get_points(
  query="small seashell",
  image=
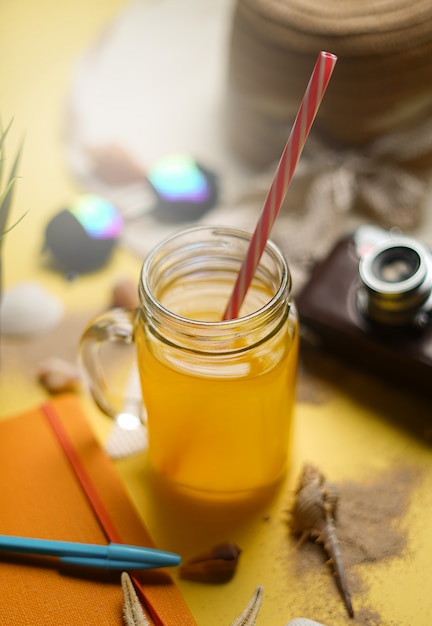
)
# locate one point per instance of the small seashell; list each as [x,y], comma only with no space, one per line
[313,517]
[125,294]
[215,566]
[29,309]
[303,621]
[58,376]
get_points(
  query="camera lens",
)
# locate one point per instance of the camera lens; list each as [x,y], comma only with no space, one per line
[396,265]
[396,280]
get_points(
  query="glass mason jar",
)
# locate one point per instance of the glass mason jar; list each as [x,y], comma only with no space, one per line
[219,394]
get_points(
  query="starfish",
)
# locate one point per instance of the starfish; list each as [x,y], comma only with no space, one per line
[132,610]
[248,616]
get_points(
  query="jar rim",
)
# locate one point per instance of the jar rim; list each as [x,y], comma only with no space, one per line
[284,287]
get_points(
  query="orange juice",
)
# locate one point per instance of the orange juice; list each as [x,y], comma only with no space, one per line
[219,422]
[219,394]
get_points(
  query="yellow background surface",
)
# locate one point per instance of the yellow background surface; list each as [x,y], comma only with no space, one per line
[352,427]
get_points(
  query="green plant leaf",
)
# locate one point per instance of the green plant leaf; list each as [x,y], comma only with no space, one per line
[7,230]
[7,194]
[3,135]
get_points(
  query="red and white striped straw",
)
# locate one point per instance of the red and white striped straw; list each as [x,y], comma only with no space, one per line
[302,124]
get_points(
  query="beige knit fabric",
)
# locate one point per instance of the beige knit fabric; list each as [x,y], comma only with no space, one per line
[360,163]
[382,82]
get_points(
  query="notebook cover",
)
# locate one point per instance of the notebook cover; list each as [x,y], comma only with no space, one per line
[42,496]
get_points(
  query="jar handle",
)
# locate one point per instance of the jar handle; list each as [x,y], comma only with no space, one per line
[114,326]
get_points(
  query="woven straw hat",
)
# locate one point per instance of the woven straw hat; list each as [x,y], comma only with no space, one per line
[382,82]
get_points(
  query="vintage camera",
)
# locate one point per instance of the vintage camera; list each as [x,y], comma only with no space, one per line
[370,301]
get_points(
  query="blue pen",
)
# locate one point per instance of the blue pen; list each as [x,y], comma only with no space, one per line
[111,556]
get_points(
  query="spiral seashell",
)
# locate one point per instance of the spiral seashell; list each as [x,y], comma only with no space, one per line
[313,517]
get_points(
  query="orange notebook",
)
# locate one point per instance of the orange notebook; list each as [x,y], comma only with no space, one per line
[56,482]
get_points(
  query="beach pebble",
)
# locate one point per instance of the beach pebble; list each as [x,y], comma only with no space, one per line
[29,309]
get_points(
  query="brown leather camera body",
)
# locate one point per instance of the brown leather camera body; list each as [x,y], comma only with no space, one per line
[329,313]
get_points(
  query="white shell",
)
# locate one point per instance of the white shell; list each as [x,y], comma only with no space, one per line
[29,309]
[303,621]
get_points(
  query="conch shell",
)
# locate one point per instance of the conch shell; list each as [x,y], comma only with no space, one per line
[313,517]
